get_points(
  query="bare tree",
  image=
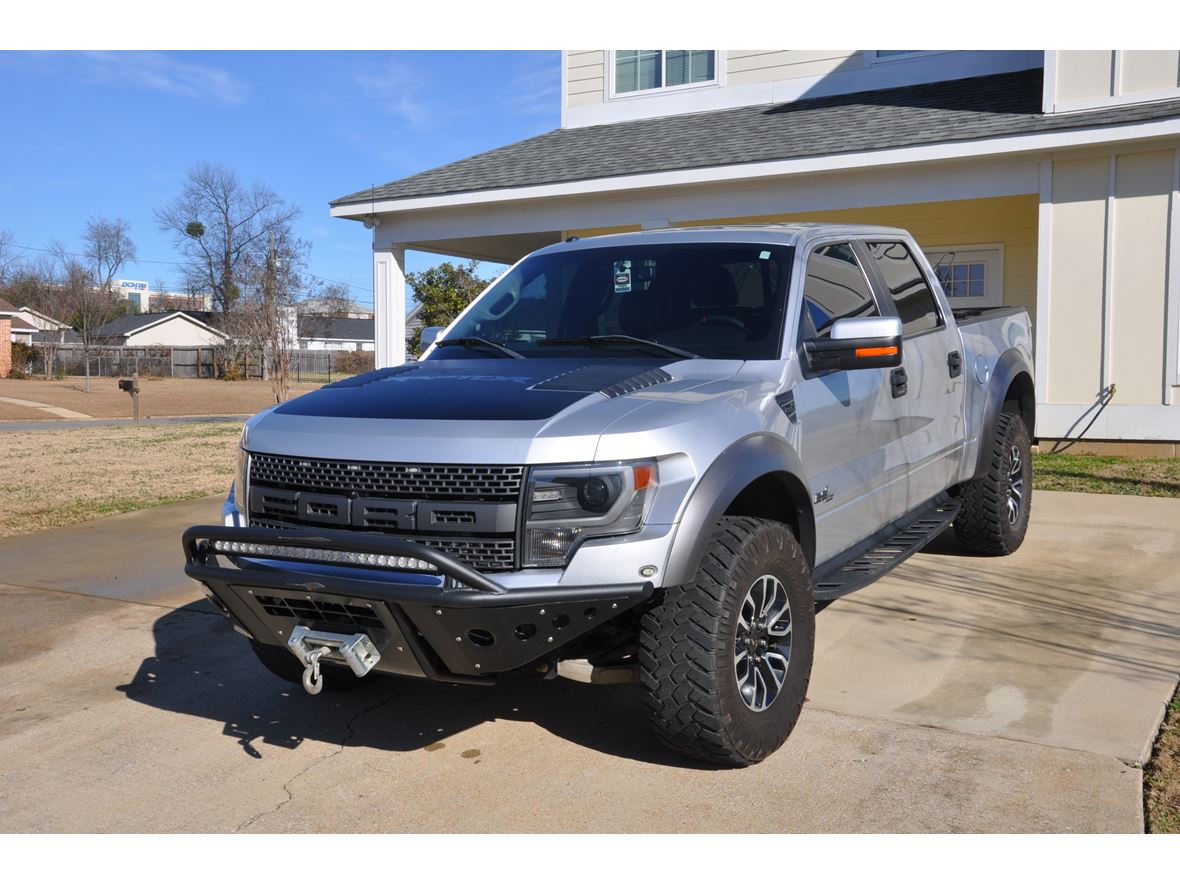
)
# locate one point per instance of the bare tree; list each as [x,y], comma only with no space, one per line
[108,247]
[87,304]
[216,223]
[333,300]
[7,256]
[273,280]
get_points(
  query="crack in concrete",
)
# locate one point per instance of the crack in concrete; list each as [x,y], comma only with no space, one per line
[351,733]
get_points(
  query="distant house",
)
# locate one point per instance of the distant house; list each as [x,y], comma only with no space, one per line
[174,329]
[7,312]
[41,321]
[22,331]
[317,332]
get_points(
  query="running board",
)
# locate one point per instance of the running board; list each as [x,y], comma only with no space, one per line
[886,550]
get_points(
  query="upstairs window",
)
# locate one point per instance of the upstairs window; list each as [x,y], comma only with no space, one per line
[639,70]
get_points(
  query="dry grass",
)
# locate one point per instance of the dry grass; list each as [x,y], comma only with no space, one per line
[61,477]
[157,398]
[1161,778]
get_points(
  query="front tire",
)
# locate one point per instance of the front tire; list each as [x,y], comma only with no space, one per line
[996,507]
[725,659]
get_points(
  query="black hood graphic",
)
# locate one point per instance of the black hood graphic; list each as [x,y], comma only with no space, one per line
[468,389]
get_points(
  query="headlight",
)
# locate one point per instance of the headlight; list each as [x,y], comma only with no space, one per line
[566,503]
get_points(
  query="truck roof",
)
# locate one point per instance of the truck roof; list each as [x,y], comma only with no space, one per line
[787,234]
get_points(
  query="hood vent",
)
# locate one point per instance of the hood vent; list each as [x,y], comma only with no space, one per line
[610,381]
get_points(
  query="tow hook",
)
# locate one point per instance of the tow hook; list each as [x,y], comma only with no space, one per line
[310,646]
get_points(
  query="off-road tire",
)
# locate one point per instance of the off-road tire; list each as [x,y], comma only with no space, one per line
[286,666]
[686,651]
[982,525]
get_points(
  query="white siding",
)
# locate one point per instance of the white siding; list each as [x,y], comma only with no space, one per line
[176,332]
[1088,78]
[769,65]
[585,76]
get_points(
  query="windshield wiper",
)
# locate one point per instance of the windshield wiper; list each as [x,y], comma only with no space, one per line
[472,342]
[607,340]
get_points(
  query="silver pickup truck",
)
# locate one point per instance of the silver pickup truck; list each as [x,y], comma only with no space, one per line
[634,457]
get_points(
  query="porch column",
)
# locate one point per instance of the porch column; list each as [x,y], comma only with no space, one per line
[389,304]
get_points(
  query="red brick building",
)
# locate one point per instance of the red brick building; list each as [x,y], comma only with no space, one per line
[7,311]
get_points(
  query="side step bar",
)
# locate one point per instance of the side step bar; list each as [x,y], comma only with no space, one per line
[886,550]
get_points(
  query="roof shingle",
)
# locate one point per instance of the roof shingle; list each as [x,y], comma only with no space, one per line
[930,113]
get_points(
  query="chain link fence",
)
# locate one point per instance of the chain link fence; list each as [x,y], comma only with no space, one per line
[307,366]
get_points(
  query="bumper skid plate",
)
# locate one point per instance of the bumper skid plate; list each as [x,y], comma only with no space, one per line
[453,625]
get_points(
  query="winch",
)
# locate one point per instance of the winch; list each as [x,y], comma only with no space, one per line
[357,650]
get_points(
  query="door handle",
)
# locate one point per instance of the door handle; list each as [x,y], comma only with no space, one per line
[900,382]
[954,363]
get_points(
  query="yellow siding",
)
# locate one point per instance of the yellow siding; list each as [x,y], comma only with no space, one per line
[1139,275]
[1008,220]
[1077,268]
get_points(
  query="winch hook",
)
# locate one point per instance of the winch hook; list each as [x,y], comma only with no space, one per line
[313,681]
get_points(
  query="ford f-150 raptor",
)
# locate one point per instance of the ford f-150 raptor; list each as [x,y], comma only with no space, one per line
[638,456]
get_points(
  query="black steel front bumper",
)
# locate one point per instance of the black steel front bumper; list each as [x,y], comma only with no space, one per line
[455,624]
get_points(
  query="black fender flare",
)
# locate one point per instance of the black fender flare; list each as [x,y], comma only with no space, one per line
[1011,364]
[746,461]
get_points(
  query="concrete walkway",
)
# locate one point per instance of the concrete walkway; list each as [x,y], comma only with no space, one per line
[43,407]
[960,694]
[112,422]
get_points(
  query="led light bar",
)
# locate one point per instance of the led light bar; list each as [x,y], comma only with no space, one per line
[406,563]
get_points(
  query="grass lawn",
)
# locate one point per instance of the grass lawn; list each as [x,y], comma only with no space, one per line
[1107,475]
[1161,777]
[60,477]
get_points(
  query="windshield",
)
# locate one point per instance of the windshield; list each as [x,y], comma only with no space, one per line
[719,301]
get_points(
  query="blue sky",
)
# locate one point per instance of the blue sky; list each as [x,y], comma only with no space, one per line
[111,134]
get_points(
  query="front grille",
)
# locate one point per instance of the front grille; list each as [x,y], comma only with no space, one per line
[482,554]
[446,482]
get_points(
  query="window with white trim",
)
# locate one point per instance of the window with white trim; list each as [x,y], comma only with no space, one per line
[971,276]
[642,70]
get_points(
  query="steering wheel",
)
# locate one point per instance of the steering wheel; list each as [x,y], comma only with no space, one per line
[721,320]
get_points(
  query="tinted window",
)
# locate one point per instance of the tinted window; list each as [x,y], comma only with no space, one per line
[718,300]
[911,294]
[835,289]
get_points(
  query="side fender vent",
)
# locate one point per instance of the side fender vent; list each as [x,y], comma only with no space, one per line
[786,402]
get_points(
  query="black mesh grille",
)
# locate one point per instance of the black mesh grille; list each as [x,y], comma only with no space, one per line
[482,554]
[303,608]
[430,481]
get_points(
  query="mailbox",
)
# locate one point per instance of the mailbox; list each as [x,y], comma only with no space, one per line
[131,385]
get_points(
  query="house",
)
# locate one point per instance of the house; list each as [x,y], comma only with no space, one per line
[174,329]
[320,332]
[1042,179]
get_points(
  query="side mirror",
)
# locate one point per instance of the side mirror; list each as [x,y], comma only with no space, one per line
[861,343]
[430,335]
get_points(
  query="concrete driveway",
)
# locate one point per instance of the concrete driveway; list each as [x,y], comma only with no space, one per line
[959,694]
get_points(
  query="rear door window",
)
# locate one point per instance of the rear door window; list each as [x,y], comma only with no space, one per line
[907,287]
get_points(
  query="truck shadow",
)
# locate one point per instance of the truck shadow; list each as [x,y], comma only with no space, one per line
[202,668]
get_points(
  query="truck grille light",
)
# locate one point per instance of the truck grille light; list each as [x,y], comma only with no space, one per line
[342,557]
